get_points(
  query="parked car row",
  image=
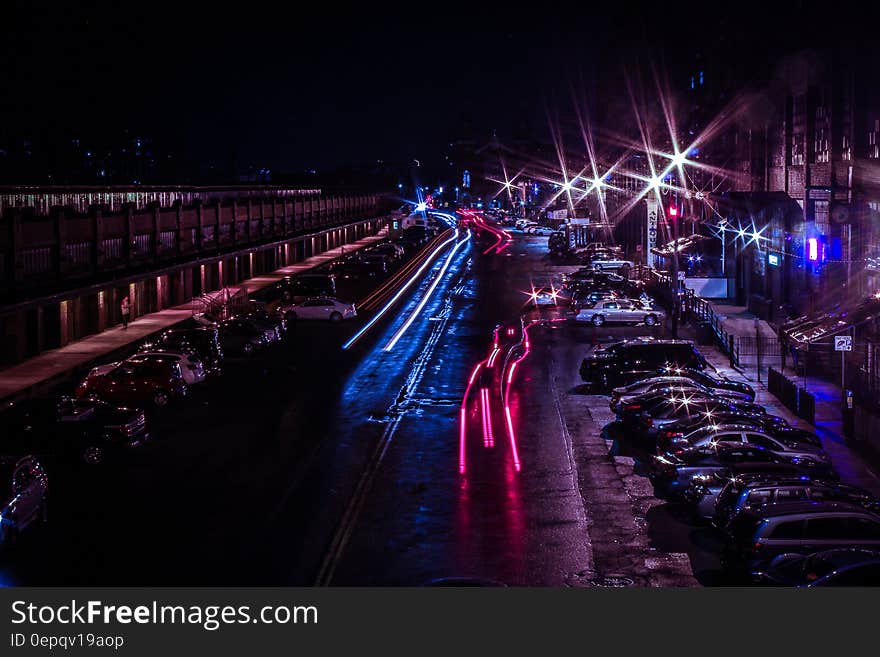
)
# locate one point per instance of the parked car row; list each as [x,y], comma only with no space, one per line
[769,489]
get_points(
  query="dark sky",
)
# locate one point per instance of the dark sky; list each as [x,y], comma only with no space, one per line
[294,88]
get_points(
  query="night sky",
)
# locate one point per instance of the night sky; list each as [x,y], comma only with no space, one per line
[294,89]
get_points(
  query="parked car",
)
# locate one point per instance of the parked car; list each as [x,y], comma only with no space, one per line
[740,389]
[721,387]
[72,429]
[325,308]
[191,365]
[269,321]
[760,535]
[23,500]
[684,390]
[542,231]
[203,341]
[703,492]
[653,414]
[137,382]
[671,474]
[601,262]
[771,424]
[748,491]
[633,360]
[810,455]
[840,567]
[241,337]
[303,286]
[391,251]
[621,311]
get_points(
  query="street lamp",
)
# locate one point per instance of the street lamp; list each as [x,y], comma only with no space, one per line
[673,216]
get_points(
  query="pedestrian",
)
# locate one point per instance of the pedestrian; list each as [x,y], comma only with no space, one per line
[125,308]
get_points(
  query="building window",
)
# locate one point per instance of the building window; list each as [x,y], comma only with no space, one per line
[78,254]
[37,261]
[820,214]
[167,239]
[208,235]
[112,248]
[797,149]
[142,244]
[873,145]
[225,232]
[820,136]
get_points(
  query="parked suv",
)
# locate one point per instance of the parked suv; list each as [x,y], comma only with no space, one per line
[80,429]
[136,381]
[23,490]
[762,534]
[631,361]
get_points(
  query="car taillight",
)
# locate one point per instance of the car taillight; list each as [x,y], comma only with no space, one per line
[648,421]
[669,435]
[757,546]
[632,407]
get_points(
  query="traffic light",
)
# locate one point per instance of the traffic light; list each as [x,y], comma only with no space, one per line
[673,211]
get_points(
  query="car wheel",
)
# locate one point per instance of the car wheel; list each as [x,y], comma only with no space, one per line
[335,317]
[598,320]
[650,320]
[247,349]
[160,399]
[93,455]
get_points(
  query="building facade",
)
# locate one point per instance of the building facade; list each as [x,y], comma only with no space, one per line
[69,255]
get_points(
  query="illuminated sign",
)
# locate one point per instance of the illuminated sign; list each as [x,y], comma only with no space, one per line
[773,259]
[812,249]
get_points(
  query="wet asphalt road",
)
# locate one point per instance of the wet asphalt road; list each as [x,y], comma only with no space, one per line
[312,465]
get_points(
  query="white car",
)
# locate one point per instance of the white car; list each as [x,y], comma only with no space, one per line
[191,365]
[619,310]
[541,230]
[319,308]
[607,262]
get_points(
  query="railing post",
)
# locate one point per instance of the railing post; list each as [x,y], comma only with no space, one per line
[730,350]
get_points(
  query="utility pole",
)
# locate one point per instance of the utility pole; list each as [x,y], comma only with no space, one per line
[673,216]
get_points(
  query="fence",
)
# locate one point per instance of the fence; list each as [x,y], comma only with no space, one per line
[797,400]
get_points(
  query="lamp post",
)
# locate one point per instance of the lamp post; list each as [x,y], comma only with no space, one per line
[673,216]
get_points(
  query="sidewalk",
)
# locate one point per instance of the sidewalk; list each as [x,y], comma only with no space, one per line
[737,320]
[57,364]
[854,467]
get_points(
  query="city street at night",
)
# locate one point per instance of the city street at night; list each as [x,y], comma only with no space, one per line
[308,301]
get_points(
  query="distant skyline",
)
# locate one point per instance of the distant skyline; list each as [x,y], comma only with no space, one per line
[297,89]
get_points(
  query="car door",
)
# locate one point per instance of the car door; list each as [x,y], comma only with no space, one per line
[610,311]
[308,309]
